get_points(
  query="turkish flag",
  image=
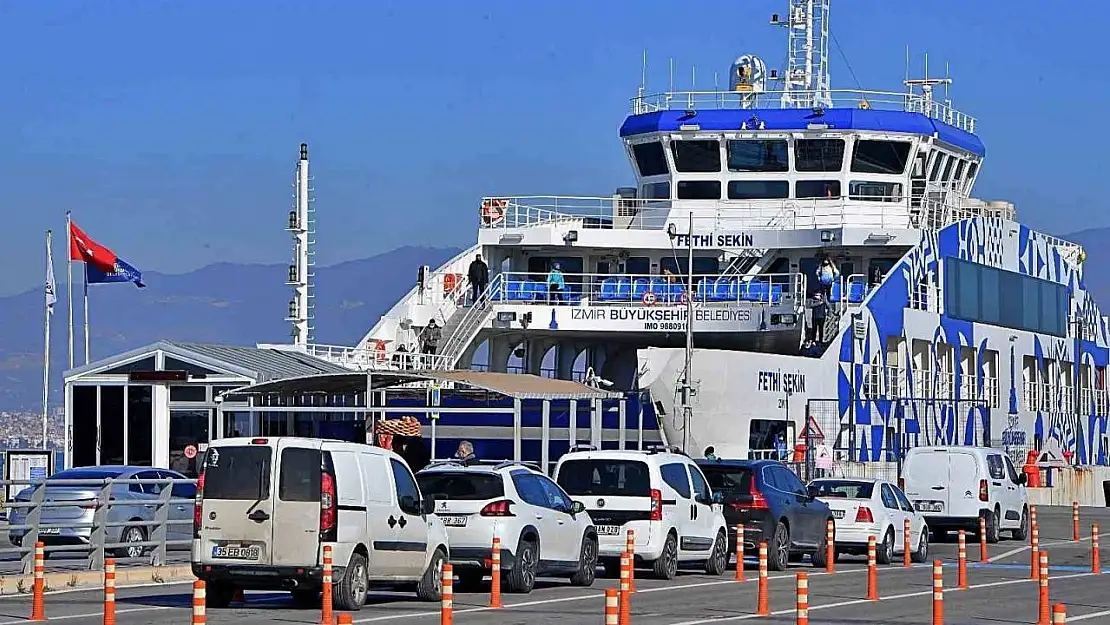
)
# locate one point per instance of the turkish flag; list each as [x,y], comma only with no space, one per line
[85,250]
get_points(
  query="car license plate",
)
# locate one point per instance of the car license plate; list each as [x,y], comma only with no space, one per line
[228,552]
[50,530]
[453,520]
[838,514]
[609,530]
[928,506]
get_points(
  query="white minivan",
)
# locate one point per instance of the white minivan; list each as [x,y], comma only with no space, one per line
[952,487]
[266,508]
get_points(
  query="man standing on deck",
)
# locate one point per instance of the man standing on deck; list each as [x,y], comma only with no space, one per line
[479,277]
[431,337]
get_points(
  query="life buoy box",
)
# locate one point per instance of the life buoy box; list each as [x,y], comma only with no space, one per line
[449,282]
[379,350]
[493,210]
[648,299]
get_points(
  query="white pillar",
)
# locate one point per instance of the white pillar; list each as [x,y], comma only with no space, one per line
[160,425]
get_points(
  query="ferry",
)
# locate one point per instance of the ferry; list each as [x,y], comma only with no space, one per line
[795,264]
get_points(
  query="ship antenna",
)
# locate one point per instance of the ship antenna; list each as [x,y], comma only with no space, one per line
[302,223]
[806,84]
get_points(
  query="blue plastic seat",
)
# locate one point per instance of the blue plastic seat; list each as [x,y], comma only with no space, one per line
[856,292]
[640,287]
[608,289]
[776,293]
[834,295]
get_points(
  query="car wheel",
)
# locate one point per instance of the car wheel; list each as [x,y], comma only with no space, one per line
[778,556]
[666,565]
[587,564]
[1022,532]
[821,557]
[522,577]
[350,592]
[130,537]
[217,595]
[885,553]
[992,526]
[718,558]
[430,587]
[922,554]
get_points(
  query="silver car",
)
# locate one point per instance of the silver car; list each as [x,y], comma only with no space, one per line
[129,503]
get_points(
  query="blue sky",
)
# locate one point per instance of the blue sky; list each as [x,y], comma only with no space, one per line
[171,128]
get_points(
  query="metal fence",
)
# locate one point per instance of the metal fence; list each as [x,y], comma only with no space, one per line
[870,439]
[140,520]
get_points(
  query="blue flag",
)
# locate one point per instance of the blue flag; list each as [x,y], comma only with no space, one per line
[123,272]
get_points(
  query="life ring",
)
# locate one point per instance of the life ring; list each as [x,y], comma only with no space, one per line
[648,299]
[379,350]
[449,282]
[493,210]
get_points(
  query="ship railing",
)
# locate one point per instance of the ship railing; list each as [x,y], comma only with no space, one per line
[632,289]
[379,355]
[861,211]
[841,98]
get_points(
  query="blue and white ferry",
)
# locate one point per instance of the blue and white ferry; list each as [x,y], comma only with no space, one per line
[947,321]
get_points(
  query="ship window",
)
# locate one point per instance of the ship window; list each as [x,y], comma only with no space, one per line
[638,265]
[758,155]
[826,189]
[650,159]
[957,178]
[699,189]
[978,293]
[656,191]
[875,191]
[819,154]
[758,189]
[934,171]
[703,265]
[947,177]
[972,169]
[697,156]
[880,157]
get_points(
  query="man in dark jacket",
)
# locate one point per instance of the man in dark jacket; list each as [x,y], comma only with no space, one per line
[479,277]
[430,338]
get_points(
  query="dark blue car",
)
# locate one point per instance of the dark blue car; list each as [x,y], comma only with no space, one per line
[774,505]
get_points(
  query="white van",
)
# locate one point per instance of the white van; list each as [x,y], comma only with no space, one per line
[952,487]
[266,508]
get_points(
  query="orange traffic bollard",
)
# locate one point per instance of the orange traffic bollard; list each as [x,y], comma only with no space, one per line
[447,596]
[1059,614]
[495,574]
[1096,563]
[906,542]
[961,554]
[1075,521]
[110,591]
[630,547]
[938,592]
[612,607]
[626,594]
[325,609]
[802,592]
[983,557]
[1034,558]
[872,571]
[200,601]
[740,552]
[762,607]
[344,618]
[1043,615]
[38,610]
[830,547]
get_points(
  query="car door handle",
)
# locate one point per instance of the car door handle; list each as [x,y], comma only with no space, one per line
[181,508]
[402,522]
[996,483]
[938,488]
[258,516]
[392,521]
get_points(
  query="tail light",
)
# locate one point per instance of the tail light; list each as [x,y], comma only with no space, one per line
[198,506]
[656,505]
[497,508]
[329,507]
[863,515]
[984,494]
[759,502]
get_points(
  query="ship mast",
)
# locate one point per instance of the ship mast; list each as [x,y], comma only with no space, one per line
[302,224]
[806,83]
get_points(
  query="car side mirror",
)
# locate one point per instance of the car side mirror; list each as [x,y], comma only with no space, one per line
[427,505]
[811,492]
[410,504]
[1022,479]
[577,507]
[718,498]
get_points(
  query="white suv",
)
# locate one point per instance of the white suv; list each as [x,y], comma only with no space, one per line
[542,531]
[662,496]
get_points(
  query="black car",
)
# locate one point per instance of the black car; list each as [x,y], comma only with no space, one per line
[774,505]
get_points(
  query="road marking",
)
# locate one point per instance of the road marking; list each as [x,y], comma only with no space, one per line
[851,602]
[1084,617]
[1007,554]
[69,591]
[68,617]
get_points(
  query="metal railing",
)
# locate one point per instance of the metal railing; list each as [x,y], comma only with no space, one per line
[856,98]
[376,358]
[648,289]
[103,520]
[890,381]
[467,329]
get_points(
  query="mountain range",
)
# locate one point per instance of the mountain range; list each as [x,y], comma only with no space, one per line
[239,304]
[234,304]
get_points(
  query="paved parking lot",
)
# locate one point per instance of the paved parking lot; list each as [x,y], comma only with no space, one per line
[72,560]
[1000,592]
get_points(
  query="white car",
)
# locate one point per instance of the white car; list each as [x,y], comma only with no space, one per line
[662,496]
[954,487]
[542,531]
[865,507]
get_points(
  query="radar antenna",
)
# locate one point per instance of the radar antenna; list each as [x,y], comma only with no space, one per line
[806,83]
[925,100]
[302,224]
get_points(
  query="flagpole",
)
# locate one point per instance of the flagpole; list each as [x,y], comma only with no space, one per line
[86,284]
[46,349]
[69,281]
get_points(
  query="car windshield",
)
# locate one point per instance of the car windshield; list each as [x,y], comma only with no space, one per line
[627,478]
[237,473]
[461,486]
[844,489]
[728,480]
